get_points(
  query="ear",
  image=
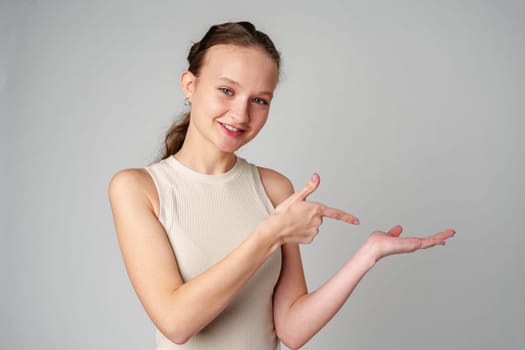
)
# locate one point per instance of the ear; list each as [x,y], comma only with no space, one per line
[187,83]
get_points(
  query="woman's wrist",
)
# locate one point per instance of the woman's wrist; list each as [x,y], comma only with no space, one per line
[368,253]
[268,235]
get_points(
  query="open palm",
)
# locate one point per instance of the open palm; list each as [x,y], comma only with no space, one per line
[389,243]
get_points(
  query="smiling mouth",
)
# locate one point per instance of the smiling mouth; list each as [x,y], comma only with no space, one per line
[231,128]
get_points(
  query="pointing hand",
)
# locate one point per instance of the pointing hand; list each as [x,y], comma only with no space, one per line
[298,219]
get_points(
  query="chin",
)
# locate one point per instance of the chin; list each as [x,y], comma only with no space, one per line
[230,147]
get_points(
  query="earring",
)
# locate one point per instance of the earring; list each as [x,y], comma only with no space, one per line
[187,102]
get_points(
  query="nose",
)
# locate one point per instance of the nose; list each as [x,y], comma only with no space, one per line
[240,111]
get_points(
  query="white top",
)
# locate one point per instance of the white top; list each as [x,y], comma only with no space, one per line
[205,218]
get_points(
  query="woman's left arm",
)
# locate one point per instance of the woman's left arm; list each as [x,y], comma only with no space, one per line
[299,315]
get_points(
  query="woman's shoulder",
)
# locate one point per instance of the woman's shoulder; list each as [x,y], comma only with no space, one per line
[134,184]
[131,178]
[277,186]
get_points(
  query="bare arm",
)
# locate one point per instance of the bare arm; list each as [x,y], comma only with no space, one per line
[178,309]
[299,315]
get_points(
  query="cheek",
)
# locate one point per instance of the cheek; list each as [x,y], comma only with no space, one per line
[213,105]
[217,103]
[259,119]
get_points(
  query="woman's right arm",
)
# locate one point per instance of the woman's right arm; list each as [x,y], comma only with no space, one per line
[179,309]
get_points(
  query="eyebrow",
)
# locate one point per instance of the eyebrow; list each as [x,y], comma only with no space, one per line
[236,83]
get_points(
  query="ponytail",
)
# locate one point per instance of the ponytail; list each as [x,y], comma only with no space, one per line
[175,136]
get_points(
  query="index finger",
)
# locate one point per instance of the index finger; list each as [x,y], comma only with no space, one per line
[339,215]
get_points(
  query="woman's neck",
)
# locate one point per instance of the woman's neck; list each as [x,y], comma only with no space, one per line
[210,162]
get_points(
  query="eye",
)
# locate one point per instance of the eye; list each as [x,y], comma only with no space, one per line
[260,101]
[226,91]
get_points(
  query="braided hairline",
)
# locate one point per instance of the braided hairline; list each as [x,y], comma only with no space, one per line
[236,33]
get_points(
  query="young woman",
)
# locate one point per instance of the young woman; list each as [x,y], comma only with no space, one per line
[211,241]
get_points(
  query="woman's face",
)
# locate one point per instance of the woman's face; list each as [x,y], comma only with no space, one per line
[231,97]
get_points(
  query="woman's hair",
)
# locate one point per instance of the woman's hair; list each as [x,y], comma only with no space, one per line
[234,33]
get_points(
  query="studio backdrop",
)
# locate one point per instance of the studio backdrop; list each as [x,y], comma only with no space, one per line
[411,111]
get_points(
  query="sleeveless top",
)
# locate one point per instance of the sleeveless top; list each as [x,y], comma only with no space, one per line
[205,218]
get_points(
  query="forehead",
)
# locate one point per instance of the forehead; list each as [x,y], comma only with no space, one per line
[249,66]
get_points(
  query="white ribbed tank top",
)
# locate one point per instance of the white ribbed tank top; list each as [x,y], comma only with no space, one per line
[205,218]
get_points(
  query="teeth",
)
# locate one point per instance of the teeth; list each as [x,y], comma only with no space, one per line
[229,127]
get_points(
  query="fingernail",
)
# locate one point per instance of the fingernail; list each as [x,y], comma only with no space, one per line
[314,177]
[356,222]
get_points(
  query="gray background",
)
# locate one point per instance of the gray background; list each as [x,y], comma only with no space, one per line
[411,111]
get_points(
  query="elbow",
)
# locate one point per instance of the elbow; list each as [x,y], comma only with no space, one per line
[180,341]
[178,338]
[291,341]
[179,326]
[177,334]
[292,345]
